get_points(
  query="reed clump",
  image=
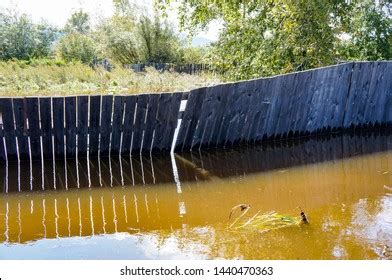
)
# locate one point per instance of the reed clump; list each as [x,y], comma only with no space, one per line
[263,222]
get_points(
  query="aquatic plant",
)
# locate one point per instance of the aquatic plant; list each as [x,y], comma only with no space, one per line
[265,221]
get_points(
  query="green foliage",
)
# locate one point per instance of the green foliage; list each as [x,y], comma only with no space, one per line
[158,41]
[117,39]
[266,37]
[20,38]
[78,22]
[194,55]
[76,47]
[369,32]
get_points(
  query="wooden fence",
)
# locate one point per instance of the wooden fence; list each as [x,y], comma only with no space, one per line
[35,127]
[191,69]
[333,98]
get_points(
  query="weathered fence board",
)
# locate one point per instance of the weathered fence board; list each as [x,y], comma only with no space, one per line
[94,126]
[21,127]
[70,125]
[34,126]
[164,106]
[82,124]
[117,125]
[45,105]
[130,104]
[140,125]
[150,122]
[106,125]
[58,125]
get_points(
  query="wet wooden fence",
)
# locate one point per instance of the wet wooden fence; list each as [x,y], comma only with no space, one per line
[333,98]
[41,127]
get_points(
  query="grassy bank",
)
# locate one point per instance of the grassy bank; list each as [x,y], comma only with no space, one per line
[19,78]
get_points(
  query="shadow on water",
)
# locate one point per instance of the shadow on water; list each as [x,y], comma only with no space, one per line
[186,166]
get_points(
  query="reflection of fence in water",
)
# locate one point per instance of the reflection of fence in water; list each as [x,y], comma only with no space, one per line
[86,212]
[84,215]
[93,172]
[190,166]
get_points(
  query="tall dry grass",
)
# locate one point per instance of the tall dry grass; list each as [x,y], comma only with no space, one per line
[57,78]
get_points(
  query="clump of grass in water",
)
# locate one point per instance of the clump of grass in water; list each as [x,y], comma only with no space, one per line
[263,222]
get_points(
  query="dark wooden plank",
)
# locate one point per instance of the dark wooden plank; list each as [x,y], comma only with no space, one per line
[70,125]
[194,105]
[172,119]
[46,126]
[303,81]
[222,95]
[228,115]
[266,89]
[58,125]
[139,125]
[247,116]
[275,106]
[202,121]
[210,111]
[118,107]
[94,128]
[161,123]
[8,127]
[130,103]
[150,122]
[240,109]
[34,129]
[21,132]
[3,156]
[106,117]
[82,123]
[255,110]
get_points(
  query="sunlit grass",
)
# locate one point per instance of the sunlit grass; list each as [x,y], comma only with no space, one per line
[52,78]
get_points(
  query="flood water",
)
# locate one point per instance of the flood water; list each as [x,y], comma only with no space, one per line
[158,207]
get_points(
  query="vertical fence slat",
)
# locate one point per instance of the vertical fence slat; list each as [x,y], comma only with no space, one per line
[46,126]
[95,112]
[118,108]
[82,121]
[70,125]
[8,127]
[139,126]
[150,121]
[105,130]
[222,96]
[34,131]
[21,127]
[161,121]
[58,125]
[172,118]
[130,103]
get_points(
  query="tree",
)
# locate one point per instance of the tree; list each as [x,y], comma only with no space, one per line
[158,40]
[265,37]
[78,22]
[118,40]
[76,47]
[20,38]
[369,32]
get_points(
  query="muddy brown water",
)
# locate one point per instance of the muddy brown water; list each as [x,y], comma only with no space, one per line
[147,208]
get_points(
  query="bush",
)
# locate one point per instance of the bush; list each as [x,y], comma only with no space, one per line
[76,47]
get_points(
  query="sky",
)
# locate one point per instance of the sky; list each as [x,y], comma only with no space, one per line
[58,11]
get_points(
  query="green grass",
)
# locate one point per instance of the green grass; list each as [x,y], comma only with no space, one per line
[49,77]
